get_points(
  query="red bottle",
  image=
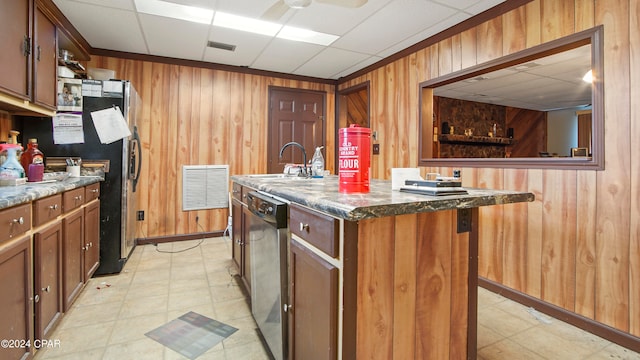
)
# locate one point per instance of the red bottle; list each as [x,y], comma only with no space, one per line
[32,160]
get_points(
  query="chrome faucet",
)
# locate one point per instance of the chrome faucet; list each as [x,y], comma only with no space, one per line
[304,155]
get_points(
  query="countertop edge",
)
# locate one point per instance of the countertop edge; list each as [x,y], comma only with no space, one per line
[22,194]
[353,207]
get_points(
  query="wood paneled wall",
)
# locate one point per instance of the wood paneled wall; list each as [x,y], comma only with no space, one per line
[577,245]
[197,116]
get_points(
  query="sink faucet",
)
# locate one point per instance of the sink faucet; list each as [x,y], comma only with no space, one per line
[304,154]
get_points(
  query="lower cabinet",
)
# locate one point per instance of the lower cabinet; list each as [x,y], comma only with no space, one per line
[16,306]
[47,282]
[91,239]
[72,254]
[313,318]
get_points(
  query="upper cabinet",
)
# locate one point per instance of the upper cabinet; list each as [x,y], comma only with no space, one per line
[30,33]
[15,42]
[45,61]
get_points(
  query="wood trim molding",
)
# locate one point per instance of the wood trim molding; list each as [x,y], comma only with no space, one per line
[183,237]
[456,29]
[614,335]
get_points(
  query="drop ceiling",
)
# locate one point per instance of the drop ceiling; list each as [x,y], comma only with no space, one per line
[367,34]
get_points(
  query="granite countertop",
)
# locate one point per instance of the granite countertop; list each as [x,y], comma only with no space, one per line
[323,195]
[22,194]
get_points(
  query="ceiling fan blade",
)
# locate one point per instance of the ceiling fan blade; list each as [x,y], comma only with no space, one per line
[344,3]
[276,11]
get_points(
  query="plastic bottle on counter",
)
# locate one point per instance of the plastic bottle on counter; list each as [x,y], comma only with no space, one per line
[32,161]
[317,163]
[11,168]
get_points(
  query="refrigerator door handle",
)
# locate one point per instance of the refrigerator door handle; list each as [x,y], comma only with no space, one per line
[136,159]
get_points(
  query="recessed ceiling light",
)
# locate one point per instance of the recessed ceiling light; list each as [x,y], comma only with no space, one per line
[242,23]
[308,36]
[175,11]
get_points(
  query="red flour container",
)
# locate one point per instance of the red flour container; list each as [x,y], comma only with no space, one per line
[354,159]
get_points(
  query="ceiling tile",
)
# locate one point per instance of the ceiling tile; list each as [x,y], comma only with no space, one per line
[186,40]
[330,62]
[248,47]
[296,55]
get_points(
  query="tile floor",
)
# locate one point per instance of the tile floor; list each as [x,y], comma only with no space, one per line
[111,316]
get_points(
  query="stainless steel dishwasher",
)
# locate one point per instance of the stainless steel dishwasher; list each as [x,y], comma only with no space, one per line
[269,242]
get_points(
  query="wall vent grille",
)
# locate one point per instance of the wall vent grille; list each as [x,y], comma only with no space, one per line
[205,187]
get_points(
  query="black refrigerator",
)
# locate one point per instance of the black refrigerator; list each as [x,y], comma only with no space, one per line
[117,191]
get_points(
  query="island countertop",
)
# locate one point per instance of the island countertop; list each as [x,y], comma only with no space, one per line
[323,195]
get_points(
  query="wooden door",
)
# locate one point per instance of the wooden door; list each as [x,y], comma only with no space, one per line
[16,310]
[294,115]
[15,42]
[45,61]
[48,267]
[91,239]
[313,319]
[72,257]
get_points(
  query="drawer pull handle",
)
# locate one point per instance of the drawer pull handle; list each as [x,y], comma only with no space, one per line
[47,289]
[304,227]
[287,307]
[19,220]
[53,207]
[94,190]
[78,198]
[36,298]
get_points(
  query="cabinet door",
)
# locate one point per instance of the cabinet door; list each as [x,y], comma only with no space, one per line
[45,61]
[72,257]
[16,310]
[314,313]
[237,234]
[15,40]
[47,282]
[91,239]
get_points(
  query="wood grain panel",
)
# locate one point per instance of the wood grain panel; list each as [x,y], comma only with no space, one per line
[585,224]
[489,40]
[404,274]
[197,116]
[535,211]
[515,233]
[491,245]
[374,338]
[459,316]
[634,214]
[556,19]
[559,238]
[434,267]
[613,196]
[514,39]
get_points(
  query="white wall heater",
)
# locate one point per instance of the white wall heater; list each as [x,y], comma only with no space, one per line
[205,187]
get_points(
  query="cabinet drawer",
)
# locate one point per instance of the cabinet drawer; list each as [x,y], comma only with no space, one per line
[236,191]
[47,209]
[72,199]
[92,192]
[15,221]
[317,229]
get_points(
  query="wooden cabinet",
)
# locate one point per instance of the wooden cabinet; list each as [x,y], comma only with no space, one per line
[72,253]
[16,307]
[15,42]
[240,250]
[45,60]
[313,282]
[28,62]
[47,281]
[313,318]
[16,221]
[91,239]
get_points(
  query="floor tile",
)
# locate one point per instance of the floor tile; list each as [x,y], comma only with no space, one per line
[161,283]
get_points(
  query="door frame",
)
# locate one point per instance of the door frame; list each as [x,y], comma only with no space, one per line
[342,107]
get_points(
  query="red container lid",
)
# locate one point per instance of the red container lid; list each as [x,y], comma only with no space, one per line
[356,129]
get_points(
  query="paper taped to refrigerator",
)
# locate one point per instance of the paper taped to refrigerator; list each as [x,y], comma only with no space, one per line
[110,125]
[68,129]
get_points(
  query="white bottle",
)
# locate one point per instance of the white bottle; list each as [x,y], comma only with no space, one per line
[317,163]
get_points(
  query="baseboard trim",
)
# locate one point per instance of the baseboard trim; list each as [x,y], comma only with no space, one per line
[606,332]
[181,237]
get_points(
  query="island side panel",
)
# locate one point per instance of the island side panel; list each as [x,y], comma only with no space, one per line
[404,302]
[413,299]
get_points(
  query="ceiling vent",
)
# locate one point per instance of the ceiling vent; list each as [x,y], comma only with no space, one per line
[222,46]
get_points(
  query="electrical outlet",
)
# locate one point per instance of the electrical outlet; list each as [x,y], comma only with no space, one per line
[376,149]
[140,215]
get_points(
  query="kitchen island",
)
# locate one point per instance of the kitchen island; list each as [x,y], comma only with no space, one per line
[382,275]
